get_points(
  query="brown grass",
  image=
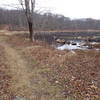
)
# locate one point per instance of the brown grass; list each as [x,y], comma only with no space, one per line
[5,77]
[77,74]
[57,75]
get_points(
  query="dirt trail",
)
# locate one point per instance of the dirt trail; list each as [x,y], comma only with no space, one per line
[27,81]
[19,68]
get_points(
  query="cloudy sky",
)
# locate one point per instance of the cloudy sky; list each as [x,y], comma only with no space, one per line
[69,8]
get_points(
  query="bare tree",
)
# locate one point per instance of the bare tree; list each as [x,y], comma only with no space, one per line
[29,6]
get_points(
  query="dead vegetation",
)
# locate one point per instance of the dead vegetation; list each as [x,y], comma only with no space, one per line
[77,74]
[5,77]
[54,74]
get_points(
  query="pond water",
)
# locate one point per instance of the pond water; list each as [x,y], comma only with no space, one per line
[71,47]
[77,45]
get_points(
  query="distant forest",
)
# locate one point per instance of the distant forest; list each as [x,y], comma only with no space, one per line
[47,21]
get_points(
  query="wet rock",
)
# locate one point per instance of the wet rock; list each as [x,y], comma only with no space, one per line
[68,42]
[90,47]
[61,41]
[73,43]
[94,39]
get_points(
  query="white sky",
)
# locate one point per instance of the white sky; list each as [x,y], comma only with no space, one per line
[68,8]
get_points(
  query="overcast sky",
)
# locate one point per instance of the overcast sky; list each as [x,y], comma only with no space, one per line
[69,8]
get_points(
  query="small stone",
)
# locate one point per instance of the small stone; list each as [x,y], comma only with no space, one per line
[56,81]
[73,78]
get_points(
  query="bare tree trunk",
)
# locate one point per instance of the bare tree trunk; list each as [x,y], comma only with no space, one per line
[29,19]
[29,6]
[30,24]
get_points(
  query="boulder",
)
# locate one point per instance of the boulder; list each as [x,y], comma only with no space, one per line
[73,43]
[61,41]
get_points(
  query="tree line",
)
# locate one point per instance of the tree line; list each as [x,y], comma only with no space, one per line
[46,21]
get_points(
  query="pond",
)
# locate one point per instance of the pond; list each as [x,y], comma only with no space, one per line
[77,45]
[81,45]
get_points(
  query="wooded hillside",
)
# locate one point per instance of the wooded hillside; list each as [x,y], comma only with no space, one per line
[47,21]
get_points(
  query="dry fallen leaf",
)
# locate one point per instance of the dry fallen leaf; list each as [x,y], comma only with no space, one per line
[93,86]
